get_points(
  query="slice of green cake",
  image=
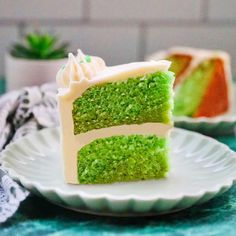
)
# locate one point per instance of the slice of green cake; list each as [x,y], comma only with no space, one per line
[115,120]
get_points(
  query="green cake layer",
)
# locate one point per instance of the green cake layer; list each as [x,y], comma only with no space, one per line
[133,101]
[123,158]
[189,94]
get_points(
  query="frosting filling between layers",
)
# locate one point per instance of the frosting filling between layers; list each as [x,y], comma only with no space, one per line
[158,129]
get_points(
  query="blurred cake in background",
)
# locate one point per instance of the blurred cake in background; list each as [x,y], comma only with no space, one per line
[203,81]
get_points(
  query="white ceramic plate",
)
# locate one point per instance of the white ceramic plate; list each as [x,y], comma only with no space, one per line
[201,168]
[219,125]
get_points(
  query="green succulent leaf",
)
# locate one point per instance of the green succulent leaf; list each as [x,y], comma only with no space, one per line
[41,46]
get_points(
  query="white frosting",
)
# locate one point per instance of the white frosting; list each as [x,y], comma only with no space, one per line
[77,68]
[73,80]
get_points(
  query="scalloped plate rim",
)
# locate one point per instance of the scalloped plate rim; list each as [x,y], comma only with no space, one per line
[33,185]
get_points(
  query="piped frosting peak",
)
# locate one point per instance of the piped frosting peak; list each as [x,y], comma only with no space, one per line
[80,67]
[93,70]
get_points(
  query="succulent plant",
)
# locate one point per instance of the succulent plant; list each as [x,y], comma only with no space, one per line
[39,46]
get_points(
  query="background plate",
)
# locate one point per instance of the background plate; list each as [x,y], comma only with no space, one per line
[201,168]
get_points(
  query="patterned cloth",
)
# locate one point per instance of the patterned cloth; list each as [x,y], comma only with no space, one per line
[22,112]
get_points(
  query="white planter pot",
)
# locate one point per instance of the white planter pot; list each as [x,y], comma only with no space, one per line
[25,72]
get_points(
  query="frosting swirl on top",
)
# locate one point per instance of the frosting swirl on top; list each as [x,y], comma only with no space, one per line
[92,70]
[78,68]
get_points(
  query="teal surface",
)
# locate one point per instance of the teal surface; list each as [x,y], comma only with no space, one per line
[38,217]
[2,85]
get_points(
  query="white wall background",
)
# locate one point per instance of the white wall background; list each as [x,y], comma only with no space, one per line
[123,30]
